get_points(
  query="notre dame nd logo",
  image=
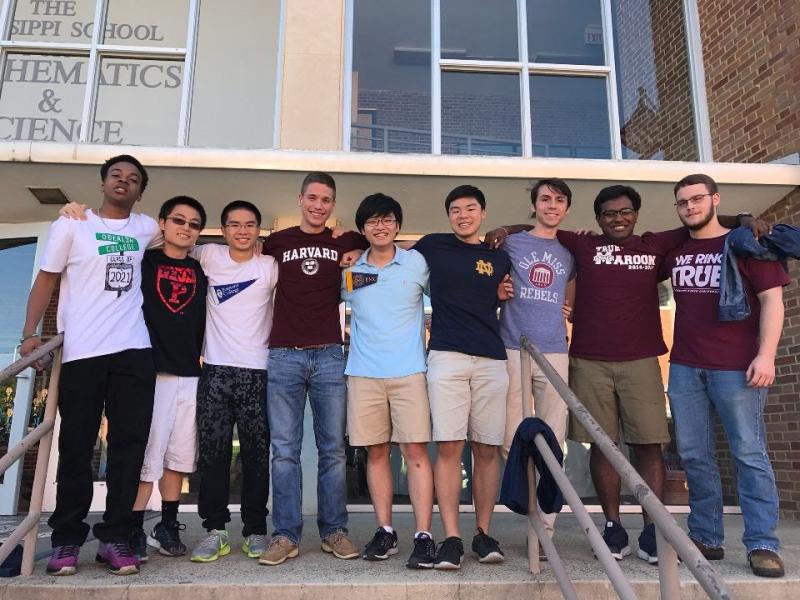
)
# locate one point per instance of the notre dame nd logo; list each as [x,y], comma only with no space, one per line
[484,267]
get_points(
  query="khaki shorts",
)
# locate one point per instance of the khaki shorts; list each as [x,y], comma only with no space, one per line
[394,409]
[173,431]
[468,397]
[631,391]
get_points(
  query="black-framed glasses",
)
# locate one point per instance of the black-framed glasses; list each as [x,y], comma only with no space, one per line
[622,212]
[180,222]
[697,199]
[374,222]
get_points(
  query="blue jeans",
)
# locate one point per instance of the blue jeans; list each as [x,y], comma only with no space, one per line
[694,395]
[294,374]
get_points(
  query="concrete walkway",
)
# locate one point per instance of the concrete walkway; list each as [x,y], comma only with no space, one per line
[317,575]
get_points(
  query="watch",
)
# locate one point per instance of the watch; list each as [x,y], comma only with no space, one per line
[27,337]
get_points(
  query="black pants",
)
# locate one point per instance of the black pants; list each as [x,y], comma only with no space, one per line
[228,396]
[123,384]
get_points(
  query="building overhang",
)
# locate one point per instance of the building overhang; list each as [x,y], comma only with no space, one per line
[271,179]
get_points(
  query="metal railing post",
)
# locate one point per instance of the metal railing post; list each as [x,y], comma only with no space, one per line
[668,577]
[40,475]
[708,578]
[533,539]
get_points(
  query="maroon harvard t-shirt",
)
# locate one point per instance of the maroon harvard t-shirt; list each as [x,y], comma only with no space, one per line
[309,284]
[701,340]
[616,316]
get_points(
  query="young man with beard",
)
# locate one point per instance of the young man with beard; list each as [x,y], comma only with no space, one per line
[616,339]
[724,368]
[232,388]
[107,362]
[467,377]
[307,360]
[542,269]
[387,399]
[174,290]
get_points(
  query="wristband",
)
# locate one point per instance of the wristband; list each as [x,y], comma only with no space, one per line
[27,337]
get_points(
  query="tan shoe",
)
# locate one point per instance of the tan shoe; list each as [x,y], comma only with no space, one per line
[766,563]
[280,548]
[338,544]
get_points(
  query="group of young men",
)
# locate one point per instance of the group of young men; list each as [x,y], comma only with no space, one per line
[141,303]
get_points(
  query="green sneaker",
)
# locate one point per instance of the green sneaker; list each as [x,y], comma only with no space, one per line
[211,547]
[254,545]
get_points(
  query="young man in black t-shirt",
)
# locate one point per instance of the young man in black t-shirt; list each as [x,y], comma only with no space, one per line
[174,289]
[467,377]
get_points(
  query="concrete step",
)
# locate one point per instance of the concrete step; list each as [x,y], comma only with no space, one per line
[315,575]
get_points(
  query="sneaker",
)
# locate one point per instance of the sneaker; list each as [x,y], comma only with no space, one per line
[255,544]
[709,552]
[280,548]
[424,553]
[166,539]
[338,544]
[647,545]
[449,553]
[382,545]
[63,560]
[616,538]
[138,544]
[487,548]
[118,557]
[211,547]
[766,563]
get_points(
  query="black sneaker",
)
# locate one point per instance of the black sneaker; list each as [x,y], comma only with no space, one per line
[449,553]
[138,545]
[616,538]
[647,545]
[424,553]
[165,537]
[487,548]
[382,545]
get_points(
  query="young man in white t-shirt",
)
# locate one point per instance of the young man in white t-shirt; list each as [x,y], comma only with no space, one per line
[233,383]
[107,362]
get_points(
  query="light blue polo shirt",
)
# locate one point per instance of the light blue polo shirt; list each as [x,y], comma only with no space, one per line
[387,320]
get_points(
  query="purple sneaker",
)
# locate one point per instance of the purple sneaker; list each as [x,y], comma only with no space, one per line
[118,557]
[63,560]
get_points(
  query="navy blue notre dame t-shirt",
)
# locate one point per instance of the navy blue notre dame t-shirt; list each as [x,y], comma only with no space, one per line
[463,284]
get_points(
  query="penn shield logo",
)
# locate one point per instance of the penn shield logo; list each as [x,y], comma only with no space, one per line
[176,286]
[223,293]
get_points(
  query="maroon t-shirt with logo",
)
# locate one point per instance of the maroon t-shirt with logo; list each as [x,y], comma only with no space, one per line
[309,284]
[701,340]
[616,316]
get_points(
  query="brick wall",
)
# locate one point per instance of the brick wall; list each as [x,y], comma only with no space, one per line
[782,413]
[751,54]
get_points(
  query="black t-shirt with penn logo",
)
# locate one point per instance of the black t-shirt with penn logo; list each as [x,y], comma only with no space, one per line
[309,285]
[175,311]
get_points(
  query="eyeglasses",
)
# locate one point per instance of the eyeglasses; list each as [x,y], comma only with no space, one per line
[249,226]
[180,222]
[684,202]
[622,212]
[388,221]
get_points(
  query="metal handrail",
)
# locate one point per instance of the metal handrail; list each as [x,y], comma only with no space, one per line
[28,528]
[671,539]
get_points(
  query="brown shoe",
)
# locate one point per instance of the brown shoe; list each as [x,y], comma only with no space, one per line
[710,552]
[338,544]
[280,548]
[766,563]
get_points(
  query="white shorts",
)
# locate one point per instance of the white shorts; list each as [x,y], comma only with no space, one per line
[468,397]
[173,431]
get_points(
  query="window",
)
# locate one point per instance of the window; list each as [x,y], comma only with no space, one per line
[132,81]
[557,78]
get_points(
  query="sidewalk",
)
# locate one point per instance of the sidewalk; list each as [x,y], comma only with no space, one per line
[315,574]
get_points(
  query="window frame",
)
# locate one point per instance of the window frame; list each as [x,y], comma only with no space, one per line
[95,52]
[524,69]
